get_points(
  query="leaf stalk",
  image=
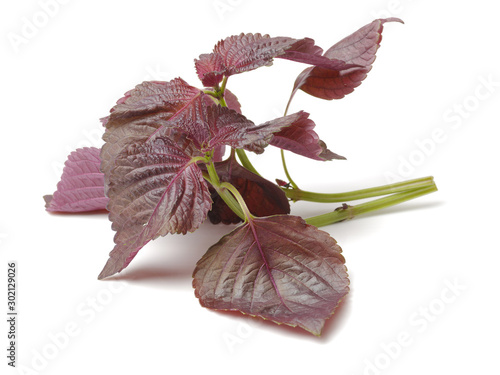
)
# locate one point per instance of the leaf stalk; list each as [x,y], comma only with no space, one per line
[227,195]
[419,183]
[290,180]
[245,161]
[346,212]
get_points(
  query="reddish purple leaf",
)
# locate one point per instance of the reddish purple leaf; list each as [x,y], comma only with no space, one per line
[301,139]
[262,197]
[278,268]
[250,51]
[205,121]
[232,101]
[232,129]
[140,113]
[151,98]
[357,49]
[242,53]
[210,69]
[361,46]
[239,53]
[211,126]
[154,186]
[81,187]
[267,130]
[305,51]
[154,189]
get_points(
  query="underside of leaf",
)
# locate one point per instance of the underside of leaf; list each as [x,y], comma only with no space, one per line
[81,188]
[301,139]
[277,268]
[257,138]
[358,51]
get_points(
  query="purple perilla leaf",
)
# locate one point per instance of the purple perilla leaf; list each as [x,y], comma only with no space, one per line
[277,268]
[242,53]
[211,126]
[232,129]
[81,187]
[301,139]
[153,184]
[305,51]
[232,101]
[140,113]
[358,50]
[154,189]
[210,69]
[237,54]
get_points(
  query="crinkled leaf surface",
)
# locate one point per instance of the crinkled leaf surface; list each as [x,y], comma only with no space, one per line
[151,98]
[155,189]
[232,129]
[81,187]
[241,53]
[140,113]
[262,197]
[153,184]
[357,49]
[232,103]
[259,137]
[210,69]
[211,126]
[278,268]
[301,139]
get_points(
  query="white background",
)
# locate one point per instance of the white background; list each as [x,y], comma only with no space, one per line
[429,78]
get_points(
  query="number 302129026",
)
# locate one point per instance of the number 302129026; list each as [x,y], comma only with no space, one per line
[11,286]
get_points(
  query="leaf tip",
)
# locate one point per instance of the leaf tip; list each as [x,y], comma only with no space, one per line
[102,275]
[393,19]
[109,269]
[48,198]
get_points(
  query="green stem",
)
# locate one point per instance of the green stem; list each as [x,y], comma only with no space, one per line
[245,161]
[348,212]
[225,194]
[218,94]
[288,103]
[211,93]
[199,158]
[405,186]
[290,180]
[223,85]
[222,101]
[239,198]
